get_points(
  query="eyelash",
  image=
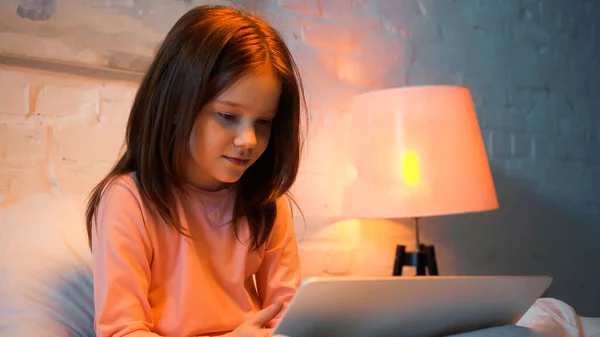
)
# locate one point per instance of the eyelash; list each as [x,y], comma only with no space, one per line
[230,118]
[226,116]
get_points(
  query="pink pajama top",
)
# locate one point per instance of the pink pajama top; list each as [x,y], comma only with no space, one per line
[149,280]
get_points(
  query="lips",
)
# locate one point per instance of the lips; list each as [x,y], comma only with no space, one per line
[238,161]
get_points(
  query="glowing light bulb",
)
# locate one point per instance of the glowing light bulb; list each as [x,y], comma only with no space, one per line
[410,168]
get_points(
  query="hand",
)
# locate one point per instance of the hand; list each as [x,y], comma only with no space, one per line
[253,326]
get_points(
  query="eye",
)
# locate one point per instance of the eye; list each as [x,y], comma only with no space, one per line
[264,121]
[226,116]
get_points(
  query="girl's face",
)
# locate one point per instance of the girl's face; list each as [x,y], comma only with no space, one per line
[232,131]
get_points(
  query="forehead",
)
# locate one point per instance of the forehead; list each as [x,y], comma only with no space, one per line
[257,92]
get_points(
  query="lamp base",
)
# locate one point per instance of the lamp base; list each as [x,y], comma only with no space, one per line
[423,260]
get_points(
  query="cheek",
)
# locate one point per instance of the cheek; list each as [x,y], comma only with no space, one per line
[263,138]
[207,139]
[195,148]
[199,147]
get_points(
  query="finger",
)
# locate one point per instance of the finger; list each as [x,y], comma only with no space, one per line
[262,317]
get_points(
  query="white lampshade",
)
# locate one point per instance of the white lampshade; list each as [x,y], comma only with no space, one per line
[415,152]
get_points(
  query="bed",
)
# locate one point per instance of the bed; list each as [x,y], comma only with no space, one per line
[46,286]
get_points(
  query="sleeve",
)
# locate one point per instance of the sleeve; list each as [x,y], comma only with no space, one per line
[121,255]
[279,275]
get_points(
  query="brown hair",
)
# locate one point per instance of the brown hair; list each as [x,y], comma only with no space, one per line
[206,51]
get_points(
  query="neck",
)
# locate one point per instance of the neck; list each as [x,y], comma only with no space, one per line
[209,187]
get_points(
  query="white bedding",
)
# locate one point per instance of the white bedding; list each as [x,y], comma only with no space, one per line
[45,269]
[548,317]
[46,283]
[555,318]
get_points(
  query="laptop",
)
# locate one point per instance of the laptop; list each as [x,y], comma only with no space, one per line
[420,306]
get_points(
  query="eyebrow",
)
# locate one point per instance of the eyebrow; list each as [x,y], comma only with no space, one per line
[230,103]
[234,104]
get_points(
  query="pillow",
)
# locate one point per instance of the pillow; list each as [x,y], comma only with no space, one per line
[46,284]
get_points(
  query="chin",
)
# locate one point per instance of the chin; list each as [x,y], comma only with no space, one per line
[229,179]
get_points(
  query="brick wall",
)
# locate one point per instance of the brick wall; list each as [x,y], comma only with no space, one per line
[533,67]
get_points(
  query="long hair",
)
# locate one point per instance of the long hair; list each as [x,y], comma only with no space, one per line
[206,51]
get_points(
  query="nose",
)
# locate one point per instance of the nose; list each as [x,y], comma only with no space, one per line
[246,137]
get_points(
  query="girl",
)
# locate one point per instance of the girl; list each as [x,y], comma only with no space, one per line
[195,208]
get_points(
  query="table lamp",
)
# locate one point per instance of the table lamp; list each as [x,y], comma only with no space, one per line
[416,152]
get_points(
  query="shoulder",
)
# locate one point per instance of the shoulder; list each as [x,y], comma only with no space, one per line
[122,220]
[283,227]
[121,213]
[121,188]
[121,195]
[284,206]
[123,183]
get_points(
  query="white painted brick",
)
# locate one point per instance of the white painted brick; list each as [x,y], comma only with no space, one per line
[327,260]
[476,64]
[527,98]
[289,26]
[321,73]
[14,96]
[399,18]
[568,150]
[90,143]
[526,169]
[348,247]
[485,94]
[592,155]
[379,237]
[112,3]
[115,112]
[311,62]
[352,14]
[521,145]
[375,47]
[503,119]
[118,91]
[439,55]
[29,181]
[502,144]
[78,177]
[25,142]
[307,7]
[323,149]
[329,37]
[325,93]
[61,100]
[575,128]
[7,176]
[541,124]
[543,148]
[319,194]
[362,73]
[350,73]
[421,74]
[115,103]
[562,174]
